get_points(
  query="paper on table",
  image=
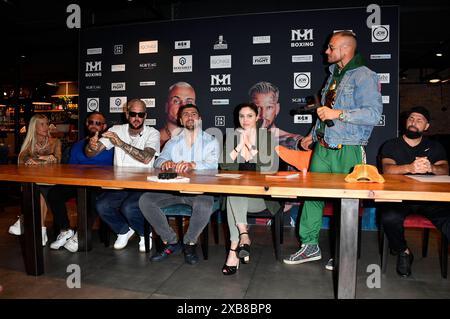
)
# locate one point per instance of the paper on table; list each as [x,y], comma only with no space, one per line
[284,175]
[431,178]
[226,175]
[178,179]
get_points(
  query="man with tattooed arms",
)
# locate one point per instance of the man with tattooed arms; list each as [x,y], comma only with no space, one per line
[135,145]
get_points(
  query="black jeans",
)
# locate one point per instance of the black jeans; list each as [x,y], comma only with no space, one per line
[393,215]
[58,195]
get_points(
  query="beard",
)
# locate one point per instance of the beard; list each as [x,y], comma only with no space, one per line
[413,135]
[136,127]
[92,133]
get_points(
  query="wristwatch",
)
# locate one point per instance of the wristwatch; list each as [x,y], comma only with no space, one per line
[341,116]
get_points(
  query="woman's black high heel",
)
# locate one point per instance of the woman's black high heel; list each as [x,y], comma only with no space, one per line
[243,251]
[230,270]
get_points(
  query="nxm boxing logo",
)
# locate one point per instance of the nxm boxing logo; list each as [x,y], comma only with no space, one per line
[220,82]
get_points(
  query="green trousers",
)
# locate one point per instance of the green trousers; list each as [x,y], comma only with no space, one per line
[325,160]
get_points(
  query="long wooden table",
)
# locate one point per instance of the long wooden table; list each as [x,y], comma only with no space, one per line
[317,185]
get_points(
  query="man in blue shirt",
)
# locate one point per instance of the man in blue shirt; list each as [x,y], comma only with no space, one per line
[59,194]
[192,149]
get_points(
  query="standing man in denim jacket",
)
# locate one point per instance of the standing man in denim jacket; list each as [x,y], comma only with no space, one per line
[351,106]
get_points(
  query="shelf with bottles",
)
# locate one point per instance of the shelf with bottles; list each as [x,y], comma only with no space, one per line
[7,117]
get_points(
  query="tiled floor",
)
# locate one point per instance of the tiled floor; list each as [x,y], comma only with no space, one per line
[106,273]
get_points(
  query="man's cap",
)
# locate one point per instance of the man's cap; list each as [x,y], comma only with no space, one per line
[421,110]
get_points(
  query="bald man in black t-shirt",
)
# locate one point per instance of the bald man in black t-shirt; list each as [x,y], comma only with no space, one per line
[412,153]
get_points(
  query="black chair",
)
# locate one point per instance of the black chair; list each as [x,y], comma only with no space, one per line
[4,150]
[276,225]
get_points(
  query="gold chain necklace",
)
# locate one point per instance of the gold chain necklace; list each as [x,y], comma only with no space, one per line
[168,132]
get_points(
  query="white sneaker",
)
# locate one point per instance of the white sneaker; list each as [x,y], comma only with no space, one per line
[62,239]
[292,222]
[16,228]
[122,239]
[44,236]
[142,243]
[330,265]
[72,244]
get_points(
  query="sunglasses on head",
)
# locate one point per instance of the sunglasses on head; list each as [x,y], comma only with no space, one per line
[134,114]
[97,123]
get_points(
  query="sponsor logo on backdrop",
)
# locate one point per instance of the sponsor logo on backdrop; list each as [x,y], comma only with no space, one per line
[150,122]
[220,101]
[117,67]
[149,102]
[148,47]
[380,56]
[93,87]
[302,38]
[302,58]
[220,62]
[147,83]
[261,59]
[117,104]
[147,65]
[182,63]
[384,78]
[92,51]
[262,39]
[385,99]
[220,82]
[179,45]
[93,69]
[298,100]
[382,121]
[118,49]
[302,80]
[118,86]
[303,119]
[219,120]
[93,104]
[380,33]
[220,44]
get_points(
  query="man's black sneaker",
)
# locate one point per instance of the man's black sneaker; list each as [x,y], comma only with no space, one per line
[404,262]
[168,249]
[190,255]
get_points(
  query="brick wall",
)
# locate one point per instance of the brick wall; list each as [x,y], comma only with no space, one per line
[435,97]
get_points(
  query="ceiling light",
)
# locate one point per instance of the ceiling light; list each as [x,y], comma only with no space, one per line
[438,54]
[434,80]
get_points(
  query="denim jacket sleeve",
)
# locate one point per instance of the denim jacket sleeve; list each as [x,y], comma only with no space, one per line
[359,97]
[365,107]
